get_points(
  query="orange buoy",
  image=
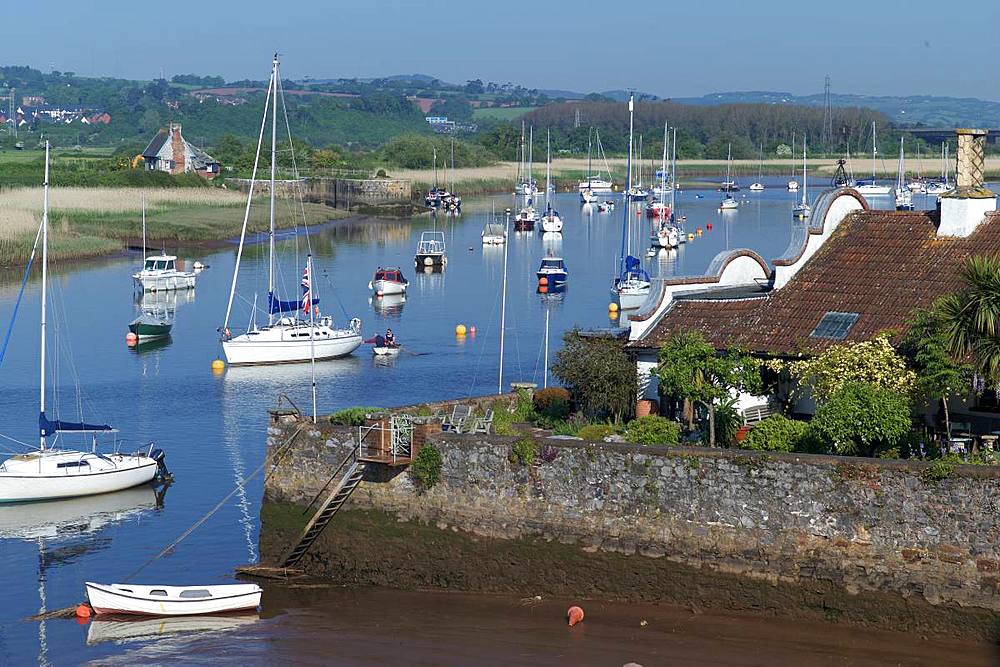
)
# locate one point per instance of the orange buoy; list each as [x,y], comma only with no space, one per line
[379,294]
[83,610]
[543,289]
[131,338]
[543,281]
[574,615]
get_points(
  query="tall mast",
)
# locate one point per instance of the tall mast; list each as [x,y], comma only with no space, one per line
[548,167]
[143,230]
[531,152]
[673,171]
[663,168]
[899,169]
[312,330]
[435,152]
[628,187]
[545,376]
[805,185]
[589,171]
[874,150]
[451,174]
[729,163]
[274,171]
[503,300]
[45,287]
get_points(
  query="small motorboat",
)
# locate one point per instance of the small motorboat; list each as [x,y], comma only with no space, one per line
[160,272]
[728,204]
[430,250]
[526,219]
[145,600]
[151,324]
[793,185]
[552,272]
[388,280]
[386,350]
[757,187]
[494,234]
[658,210]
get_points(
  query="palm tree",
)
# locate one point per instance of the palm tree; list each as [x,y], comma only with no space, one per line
[971,317]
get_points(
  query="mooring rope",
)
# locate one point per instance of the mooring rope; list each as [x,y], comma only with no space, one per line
[239,487]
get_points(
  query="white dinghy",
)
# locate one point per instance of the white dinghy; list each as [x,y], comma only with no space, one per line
[145,600]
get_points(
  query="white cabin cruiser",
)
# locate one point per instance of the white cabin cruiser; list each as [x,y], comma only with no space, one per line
[160,273]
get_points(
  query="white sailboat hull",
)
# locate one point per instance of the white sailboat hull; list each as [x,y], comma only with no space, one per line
[144,600]
[291,343]
[56,474]
[597,186]
[873,189]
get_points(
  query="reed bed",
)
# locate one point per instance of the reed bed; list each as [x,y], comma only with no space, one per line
[116,200]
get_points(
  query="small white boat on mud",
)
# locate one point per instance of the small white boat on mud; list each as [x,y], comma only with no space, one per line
[146,600]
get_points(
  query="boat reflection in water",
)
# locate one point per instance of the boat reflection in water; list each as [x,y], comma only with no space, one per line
[123,629]
[390,305]
[552,242]
[73,517]
[145,346]
[278,377]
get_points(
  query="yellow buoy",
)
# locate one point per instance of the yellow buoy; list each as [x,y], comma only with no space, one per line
[460,330]
[218,365]
[690,237]
[613,307]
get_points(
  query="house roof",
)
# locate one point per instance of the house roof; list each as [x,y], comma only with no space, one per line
[153,149]
[878,264]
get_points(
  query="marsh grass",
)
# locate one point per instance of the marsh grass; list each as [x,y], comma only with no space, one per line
[86,222]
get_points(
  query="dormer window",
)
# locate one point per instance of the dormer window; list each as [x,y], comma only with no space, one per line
[834,325]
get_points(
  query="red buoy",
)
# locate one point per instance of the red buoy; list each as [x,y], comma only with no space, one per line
[709,226]
[574,615]
[83,610]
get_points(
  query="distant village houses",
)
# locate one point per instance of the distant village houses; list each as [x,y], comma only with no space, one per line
[170,152]
[55,113]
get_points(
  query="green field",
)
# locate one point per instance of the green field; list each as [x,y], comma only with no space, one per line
[501,113]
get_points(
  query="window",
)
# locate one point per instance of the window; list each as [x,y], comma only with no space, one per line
[196,593]
[835,325]
[158,591]
[73,464]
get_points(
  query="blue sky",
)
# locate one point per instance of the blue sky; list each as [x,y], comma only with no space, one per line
[667,48]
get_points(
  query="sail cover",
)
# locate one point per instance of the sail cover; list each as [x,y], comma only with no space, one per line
[48,427]
[276,305]
[633,268]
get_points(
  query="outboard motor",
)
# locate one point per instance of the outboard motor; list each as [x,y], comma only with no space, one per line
[162,474]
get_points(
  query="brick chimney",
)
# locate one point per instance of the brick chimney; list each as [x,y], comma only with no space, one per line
[963,208]
[177,146]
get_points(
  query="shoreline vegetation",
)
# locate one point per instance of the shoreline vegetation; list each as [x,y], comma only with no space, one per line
[567,172]
[90,222]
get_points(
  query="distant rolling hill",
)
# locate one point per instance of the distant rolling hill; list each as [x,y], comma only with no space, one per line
[925,110]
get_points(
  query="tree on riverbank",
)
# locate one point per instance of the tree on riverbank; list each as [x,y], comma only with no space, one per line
[600,376]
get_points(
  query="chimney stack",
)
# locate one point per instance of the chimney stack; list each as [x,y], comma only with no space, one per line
[963,208]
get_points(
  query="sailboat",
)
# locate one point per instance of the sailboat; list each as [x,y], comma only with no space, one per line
[632,285]
[637,192]
[665,234]
[597,185]
[938,187]
[587,195]
[758,185]
[433,198]
[872,187]
[793,185]
[803,210]
[551,222]
[526,185]
[904,198]
[916,183]
[728,186]
[295,330]
[47,473]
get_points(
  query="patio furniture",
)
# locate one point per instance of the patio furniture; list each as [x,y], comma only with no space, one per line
[483,424]
[456,420]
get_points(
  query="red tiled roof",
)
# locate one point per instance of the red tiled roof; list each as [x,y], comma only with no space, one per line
[879,264]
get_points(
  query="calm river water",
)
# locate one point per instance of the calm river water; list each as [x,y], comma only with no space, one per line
[213,427]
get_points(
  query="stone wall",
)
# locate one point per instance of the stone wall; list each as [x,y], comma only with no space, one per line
[346,193]
[857,531]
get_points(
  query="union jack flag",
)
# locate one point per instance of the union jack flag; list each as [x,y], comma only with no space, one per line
[306,291]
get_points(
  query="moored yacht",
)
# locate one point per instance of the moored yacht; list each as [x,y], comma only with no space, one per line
[296,330]
[160,273]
